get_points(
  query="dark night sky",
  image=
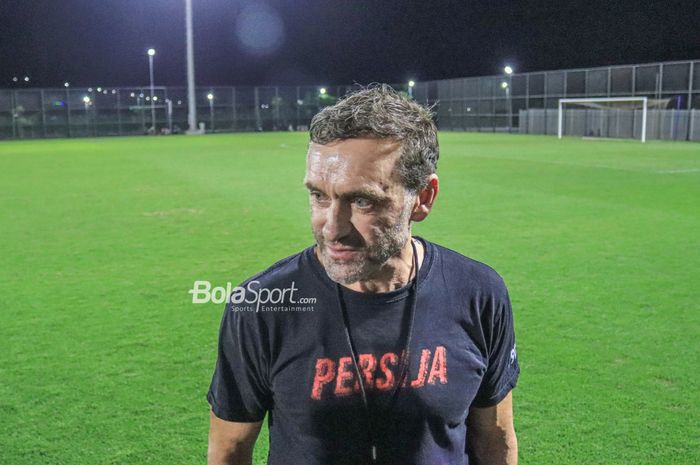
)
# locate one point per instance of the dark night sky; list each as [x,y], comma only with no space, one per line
[238,42]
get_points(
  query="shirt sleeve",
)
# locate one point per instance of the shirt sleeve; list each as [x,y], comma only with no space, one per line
[502,370]
[239,389]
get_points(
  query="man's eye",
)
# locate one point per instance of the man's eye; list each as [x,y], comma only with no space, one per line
[362,202]
[316,196]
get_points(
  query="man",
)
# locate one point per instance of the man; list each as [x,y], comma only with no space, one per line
[408,355]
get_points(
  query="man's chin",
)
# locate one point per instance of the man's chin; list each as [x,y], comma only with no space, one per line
[342,271]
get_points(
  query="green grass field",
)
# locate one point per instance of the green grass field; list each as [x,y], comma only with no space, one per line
[105,360]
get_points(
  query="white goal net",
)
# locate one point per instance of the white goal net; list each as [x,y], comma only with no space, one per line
[609,118]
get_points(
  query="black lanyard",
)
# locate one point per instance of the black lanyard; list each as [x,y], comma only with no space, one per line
[404,355]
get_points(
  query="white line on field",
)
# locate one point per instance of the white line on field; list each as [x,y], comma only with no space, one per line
[688,170]
[609,139]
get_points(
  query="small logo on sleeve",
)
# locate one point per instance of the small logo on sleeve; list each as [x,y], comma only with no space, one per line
[513,355]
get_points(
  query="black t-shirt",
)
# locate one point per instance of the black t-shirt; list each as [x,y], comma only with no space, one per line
[288,356]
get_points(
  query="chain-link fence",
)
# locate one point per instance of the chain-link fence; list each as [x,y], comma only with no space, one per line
[497,103]
[489,104]
[613,123]
[81,112]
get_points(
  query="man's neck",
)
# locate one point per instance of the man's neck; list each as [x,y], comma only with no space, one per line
[395,273]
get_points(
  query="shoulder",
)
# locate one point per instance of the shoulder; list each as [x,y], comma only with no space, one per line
[271,290]
[281,272]
[462,272]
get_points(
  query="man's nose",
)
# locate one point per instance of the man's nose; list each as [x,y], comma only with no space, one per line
[337,223]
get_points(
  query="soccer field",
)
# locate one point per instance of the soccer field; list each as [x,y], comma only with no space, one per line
[104,359]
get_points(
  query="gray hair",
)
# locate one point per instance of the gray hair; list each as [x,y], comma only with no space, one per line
[379,111]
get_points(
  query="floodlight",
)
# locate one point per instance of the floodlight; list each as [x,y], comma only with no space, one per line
[26,78]
[411,83]
[151,52]
[322,91]
[132,95]
[86,99]
[99,89]
[89,89]
[508,70]
[66,84]
[504,85]
[15,79]
[210,96]
[155,98]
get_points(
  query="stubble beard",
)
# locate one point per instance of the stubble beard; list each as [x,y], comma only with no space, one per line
[389,243]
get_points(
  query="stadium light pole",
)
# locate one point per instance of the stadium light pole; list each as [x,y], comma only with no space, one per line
[151,53]
[210,97]
[506,87]
[322,92]
[191,97]
[169,114]
[411,85]
[86,101]
[509,72]
[139,104]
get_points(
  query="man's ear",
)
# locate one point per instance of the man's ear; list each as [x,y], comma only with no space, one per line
[425,199]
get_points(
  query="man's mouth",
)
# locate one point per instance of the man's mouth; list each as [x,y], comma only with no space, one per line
[341,253]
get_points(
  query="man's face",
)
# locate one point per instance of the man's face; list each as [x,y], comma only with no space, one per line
[360,211]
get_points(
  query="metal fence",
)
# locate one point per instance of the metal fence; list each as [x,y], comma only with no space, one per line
[489,103]
[87,112]
[613,123]
[496,103]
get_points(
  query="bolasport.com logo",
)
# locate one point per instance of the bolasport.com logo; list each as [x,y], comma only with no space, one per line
[252,298]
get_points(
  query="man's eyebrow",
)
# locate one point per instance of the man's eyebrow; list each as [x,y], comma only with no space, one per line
[369,194]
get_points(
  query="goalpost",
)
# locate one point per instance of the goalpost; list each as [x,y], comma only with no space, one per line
[604,103]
